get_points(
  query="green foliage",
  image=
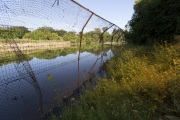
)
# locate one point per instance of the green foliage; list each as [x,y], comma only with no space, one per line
[16,32]
[91,37]
[71,36]
[94,36]
[107,37]
[97,31]
[61,32]
[154,21]
[143,84]
[35,35]
[49,54]
[48,33]
[46,29]
[43,33]
[104,29]
[106,102]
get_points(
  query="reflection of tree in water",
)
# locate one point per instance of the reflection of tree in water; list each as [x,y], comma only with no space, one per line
[25,71]
[50,54]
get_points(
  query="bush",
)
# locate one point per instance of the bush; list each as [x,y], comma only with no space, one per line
[142,84]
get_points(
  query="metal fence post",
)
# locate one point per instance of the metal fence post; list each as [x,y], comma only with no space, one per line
[81,37]
[113,37]
[101,37]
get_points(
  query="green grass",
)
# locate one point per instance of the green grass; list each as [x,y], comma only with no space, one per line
[143,83]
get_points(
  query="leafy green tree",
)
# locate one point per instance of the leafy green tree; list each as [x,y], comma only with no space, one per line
[107,37]
[20,31]
[104,29]
[154,21]
[46,29]
[43,33]
[115,34]
[35,35]
[114,31]
[91,37]
[15,32]
[4,33]
[61,32]
[97,31]
[71,36]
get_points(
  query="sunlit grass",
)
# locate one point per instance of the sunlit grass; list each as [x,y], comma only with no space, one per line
[142,84]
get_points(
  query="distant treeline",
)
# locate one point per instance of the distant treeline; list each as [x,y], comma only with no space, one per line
[48,33]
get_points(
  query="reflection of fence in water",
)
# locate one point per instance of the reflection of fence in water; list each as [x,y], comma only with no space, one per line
[24,70]
[28,28]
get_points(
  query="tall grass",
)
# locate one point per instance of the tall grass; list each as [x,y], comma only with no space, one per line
[142,84]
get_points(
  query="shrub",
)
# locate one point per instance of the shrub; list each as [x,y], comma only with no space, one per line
[141,85]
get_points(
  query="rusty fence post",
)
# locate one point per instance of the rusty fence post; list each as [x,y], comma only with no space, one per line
[120,34]
[81,37]
[81,33]
[112,38]
[101,37]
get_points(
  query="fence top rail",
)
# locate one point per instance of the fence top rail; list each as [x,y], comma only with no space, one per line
[93,12]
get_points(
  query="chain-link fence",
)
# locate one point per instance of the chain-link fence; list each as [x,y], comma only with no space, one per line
[48,48]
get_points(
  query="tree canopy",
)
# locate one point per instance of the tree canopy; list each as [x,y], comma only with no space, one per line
[48,33]
[43,33]
[154,21]
[13,32]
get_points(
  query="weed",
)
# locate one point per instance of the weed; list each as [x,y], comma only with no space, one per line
[142,84]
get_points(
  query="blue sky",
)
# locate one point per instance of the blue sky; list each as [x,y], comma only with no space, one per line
[118,12]
[37,13]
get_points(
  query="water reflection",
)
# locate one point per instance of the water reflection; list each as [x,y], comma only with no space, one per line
[19,99]
[9,57]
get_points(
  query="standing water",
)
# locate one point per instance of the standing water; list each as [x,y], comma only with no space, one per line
[19,98]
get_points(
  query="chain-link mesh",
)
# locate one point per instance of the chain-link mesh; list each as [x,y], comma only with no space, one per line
[48,48]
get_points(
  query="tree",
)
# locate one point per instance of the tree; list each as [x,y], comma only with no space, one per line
[4,33]
[154,21]
[114,31]
[97,31]
[61,32]
[71,36]
[35,35]
[15,32]
[104,29]
[43,33]
[46,29]
[107,37]
[91,37]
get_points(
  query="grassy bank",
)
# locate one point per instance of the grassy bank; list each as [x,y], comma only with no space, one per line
[143,83]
